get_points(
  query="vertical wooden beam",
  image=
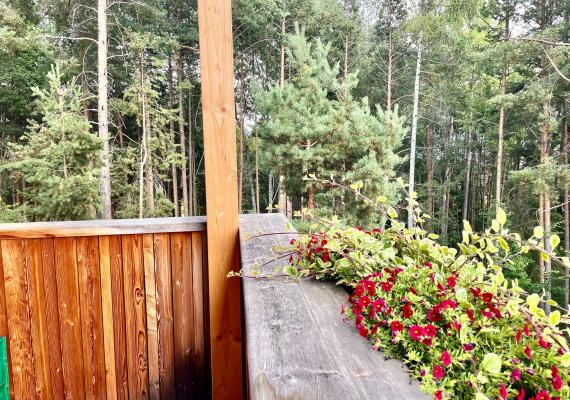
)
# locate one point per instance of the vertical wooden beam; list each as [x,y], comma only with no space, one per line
[216,69]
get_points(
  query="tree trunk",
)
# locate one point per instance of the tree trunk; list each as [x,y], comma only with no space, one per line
[102,109]
[173,168]
[467,178]
[270,192]
[566,206]
[546,205]
[84,87]
[182,133]
[241,137]
[429,168]
[144,149]
[414,129]
[345,59]
[282,194]
[191,173]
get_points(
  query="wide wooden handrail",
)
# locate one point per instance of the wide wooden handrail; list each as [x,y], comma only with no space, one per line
[33,230]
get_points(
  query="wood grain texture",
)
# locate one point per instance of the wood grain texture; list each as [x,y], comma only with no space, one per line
[107,310]
[151,317]
[91,317]
[297,345]
[119,321]
[19,325]
[52,318]
[4,325]
[165,316]
[35,270]
[181,247]
[218,105]
[199,356]
[101,227]
[135,313]
[69,317]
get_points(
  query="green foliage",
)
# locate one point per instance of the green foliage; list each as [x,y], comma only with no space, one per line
[314,126]
[57,158]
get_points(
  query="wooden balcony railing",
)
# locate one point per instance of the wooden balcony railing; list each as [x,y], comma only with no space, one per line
[297,346]
[106,309]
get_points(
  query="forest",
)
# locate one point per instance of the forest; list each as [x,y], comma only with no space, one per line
[465,101]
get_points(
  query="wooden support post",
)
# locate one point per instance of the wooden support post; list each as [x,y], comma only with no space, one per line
[216,69]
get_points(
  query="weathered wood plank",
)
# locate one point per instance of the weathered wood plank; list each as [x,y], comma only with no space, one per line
[19,325]
[181,247]
[91,317]
[216,70]
[69,317]
[135,313]
[52,318]
[107,310]
[199,356]
[35,270]
[4,325]
[151,317]
[101,227]
[297,345]
[119,320]
[165,319]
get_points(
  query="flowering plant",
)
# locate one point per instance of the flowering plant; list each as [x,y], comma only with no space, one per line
[449,313]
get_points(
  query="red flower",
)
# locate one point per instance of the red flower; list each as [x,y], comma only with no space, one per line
[468,346]
[363,331]
[364,301]
[516,374]
[429,330]
[413,290]
[451,281]
[438,372]
[542,395]
[557,382]
[544,344]
[415,332]
[386,286]
[457,325]
[518,336]
[528,353]
[526,332]
[358,291]
[445,359]
[487,297]
[374,330]
[503,391]
[407,311]
[475,291]
[521,394]
[434,314]
[427,264]
[438,395]
[427,341]
[470,314]
[396,326]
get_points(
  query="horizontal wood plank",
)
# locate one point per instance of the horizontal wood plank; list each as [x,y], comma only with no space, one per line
[297,344]
[101,228]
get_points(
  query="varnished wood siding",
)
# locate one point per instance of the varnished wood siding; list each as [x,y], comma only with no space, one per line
[114,316]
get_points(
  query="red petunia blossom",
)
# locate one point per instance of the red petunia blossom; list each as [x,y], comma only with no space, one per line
[438,395]
[542,395]
[363,331]
[427,341]
[407,311]
[396,326]
[413,290]
[557,382]
[416,332]
[445,358]
[427,264]
[521,394]
[374,330]
[518,336]
[470,314]
[451,281]
[526,332]
[448,303]
[487,297]
[326,256]
[358,291]
[364,301]
[468,346]
[516,374]
[475,291]
[503,391]
[543,343]
[429,330]
[370,287]
[386,286]
[457,325]
[438,372]
[528,353]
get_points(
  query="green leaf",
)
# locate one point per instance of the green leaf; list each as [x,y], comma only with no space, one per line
[357,185]
[503,244]
[392,213]
[554,241]
[480,396]
[565,360]
[495,225]
[554,318]
[538,232]
[467,227]
[533,300]
[501,216]
[491,363]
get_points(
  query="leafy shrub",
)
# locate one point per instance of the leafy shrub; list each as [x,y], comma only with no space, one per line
[462,328]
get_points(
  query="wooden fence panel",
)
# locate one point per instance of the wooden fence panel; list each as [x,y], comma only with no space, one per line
[120,315]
